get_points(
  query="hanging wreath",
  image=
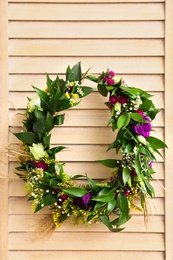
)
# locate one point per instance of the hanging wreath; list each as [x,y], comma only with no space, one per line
[109,202]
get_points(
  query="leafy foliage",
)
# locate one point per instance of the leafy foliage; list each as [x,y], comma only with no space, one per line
[132,112]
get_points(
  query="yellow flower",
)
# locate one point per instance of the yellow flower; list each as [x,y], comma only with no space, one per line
[67,95]
[75,96]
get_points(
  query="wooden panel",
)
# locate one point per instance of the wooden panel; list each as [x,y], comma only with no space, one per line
[16,188]
[28,223]
[85,255]
[169,126]
[3,132]
[153,242]
[86,1]
[136,65]
[20,205]
[86,47]
[93,169]
[93,101]
[111,29]
[146,82]
[55,12]
[102,35]
[79,117]
[82,135]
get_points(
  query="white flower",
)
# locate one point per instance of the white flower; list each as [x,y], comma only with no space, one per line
[141,139]
[35,102]
[37,150]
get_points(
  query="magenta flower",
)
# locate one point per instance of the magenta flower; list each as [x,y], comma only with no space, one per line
[143,128]
[126,192]
[40,164]
[133,173]
[111,73]
[110,82]
[83,202]
[113,99]
[122,99]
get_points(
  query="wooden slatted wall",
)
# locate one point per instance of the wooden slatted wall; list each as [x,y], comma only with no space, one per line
[47,36]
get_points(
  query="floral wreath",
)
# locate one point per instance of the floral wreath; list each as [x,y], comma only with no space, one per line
[109,202]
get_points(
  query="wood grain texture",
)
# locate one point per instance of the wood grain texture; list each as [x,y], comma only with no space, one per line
[82,12]
[3,132]
[125,36]
[97,29]
[168,132]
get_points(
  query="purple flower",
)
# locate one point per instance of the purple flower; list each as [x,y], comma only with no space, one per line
[143,128]
[83,202]
[110,81]
[41,164]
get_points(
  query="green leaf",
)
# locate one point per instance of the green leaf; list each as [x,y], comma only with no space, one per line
[74,74]
[111,163]
[137,117]
[59,119]
[93,184]
[38,126]
[137,162]
[49,85]
[102,90]
[156,143]
[74,191]
[125,175]
[27,137]
[111,205]
[120,220]
[41,93]
[46,106]
[49,122]
[46,141]
[105,195]
[123,120]
[105,220]
[123,205]
[99,205]
[86,90]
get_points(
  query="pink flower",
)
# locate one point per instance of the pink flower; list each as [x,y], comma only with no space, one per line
[113,99]
[139,111]
[111,73]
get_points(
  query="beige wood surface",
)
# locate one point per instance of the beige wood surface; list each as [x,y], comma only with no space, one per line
[132,37]
[3,133]
[168,128]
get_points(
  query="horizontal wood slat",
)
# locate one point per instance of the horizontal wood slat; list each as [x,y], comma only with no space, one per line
[93,169]
[75,117]
[16,188]
[147,82]
[106,29]
[20,205]
[86,47]
[29,223]
[85,1]
[92,101]
[137,65]
[55,12]
[82,135]
[85,255]
[119,241]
